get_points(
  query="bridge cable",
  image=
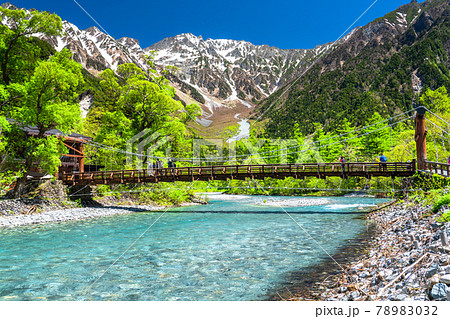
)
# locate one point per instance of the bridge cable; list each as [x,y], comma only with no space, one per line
[132,244]
[437,126]
[103,146]
[436,116]
[304,230]
[321,146]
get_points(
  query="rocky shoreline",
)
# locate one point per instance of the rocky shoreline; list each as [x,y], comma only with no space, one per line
[50,203]
[404,260]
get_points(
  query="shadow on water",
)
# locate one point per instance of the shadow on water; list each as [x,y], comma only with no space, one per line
[310,282]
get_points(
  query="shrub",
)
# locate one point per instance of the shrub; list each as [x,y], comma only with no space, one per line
[445,218]
[441,201]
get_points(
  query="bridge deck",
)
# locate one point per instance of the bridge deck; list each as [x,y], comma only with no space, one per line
[241,172]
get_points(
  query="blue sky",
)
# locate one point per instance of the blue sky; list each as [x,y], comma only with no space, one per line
[284,24]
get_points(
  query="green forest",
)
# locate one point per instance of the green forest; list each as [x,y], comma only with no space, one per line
[379,79]
[41,88]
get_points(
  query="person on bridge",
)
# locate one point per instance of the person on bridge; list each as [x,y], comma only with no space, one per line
[172,165]
[342,160]
[383,160]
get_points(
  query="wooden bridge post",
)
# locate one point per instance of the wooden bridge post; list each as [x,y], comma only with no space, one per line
[420,138]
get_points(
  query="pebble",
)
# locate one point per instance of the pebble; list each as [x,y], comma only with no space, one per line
[433,281]
[439,292]
[400,297]
[445,279]
[431,271]
[354,295]
[343,289]
[435,225]
[364,274]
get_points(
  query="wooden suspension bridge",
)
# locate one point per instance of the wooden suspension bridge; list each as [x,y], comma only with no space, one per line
[276,171]
[242,172]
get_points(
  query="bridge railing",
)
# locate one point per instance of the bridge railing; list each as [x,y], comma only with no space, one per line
[438,168]
[320,170]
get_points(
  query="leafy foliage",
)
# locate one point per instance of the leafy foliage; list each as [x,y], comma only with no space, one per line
[445,218]
[132,101]
[441,201]
[18,55]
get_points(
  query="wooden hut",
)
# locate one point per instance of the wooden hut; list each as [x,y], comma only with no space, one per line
[73,161]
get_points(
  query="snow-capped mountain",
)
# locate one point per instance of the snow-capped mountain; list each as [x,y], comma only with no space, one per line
[229,69]
[95,50]
[217,74]
[221,73]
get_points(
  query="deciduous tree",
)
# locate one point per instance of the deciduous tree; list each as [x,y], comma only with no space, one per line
[50,103]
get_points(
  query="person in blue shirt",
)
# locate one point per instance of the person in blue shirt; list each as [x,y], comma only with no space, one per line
[383,160]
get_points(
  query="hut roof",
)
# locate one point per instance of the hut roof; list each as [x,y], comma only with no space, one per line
[33,130]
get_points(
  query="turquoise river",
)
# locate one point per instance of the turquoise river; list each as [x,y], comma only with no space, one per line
[235,248]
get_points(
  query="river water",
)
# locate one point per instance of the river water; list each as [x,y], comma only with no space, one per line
[235,248]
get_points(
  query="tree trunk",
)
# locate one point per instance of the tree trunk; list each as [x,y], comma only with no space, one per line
[21,182]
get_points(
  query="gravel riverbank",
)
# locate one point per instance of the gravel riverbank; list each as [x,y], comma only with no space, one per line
[404,261]
[70,215]
[24,212]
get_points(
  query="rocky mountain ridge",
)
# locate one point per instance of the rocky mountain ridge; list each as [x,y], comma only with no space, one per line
[381,68]
[230,69]
[217,74]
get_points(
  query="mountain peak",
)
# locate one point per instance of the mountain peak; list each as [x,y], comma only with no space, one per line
[93,30]
[191,36]
[10,6]
[196,40]
[128,41]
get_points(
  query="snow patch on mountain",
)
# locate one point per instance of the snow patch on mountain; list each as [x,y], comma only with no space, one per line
[212,65]
[244,130]
[85,104]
